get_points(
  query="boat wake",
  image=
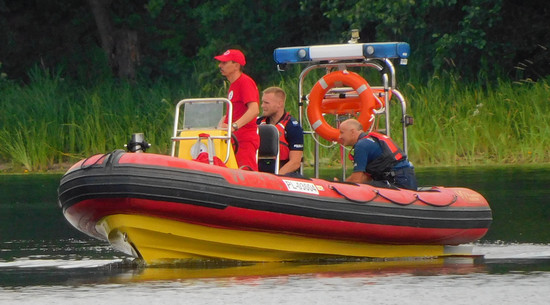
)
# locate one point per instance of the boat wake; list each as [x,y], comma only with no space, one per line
[493,252]
[27,262]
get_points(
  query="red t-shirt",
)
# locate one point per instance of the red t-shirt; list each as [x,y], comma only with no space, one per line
[241,92]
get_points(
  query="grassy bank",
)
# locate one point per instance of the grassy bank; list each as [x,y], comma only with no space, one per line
[52,122]
[457,124]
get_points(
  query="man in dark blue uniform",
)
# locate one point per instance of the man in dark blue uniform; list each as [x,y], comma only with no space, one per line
[376,158]
[291,135]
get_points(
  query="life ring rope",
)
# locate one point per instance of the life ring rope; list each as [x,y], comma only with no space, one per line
[366,96]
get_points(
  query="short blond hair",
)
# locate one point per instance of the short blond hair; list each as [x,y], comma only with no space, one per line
[279,92]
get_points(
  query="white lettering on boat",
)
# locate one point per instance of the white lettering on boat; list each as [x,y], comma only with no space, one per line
[469,196]
[299,186]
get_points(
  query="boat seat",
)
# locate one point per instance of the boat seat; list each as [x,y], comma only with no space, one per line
[268,153]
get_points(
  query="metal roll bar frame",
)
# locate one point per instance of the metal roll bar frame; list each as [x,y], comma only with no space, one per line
[389,85]
[177,129]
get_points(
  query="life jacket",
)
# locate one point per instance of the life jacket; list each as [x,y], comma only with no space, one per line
[381,167]
[284,147]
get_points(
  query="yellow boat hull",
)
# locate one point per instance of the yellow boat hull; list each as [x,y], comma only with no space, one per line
[159,240]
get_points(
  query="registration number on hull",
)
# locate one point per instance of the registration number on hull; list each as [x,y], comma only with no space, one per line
[299,186]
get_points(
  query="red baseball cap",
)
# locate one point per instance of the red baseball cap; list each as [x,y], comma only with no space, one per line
[233,55]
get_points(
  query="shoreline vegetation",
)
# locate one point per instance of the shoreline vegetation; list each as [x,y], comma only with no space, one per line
[50,123]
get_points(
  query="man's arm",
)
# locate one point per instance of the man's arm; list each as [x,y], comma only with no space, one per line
[359,177]
[294,161]
[221,123]
[360,161]
[250,114]
[294,135]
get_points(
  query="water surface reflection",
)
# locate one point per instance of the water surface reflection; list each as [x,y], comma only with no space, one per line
[44,260]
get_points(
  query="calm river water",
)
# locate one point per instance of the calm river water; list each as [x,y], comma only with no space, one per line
[43,260]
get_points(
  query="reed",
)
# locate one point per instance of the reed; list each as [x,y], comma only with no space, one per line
[461,124]
[53,121]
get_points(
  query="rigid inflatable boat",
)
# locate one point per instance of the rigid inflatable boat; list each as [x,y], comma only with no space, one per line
[196,204]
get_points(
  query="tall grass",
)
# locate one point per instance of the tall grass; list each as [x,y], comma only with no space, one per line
[459,124]
[52,121]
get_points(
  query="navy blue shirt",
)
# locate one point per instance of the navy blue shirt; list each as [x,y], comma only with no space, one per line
[365,150]
[294,134]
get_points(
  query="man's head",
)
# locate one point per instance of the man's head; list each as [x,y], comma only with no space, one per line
[231,61]
[349,132]
[273,102]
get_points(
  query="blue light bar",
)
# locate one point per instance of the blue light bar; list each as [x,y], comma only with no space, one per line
[387,50]
[291,55]
[339,52]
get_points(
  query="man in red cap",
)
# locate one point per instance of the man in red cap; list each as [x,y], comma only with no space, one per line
[244,95]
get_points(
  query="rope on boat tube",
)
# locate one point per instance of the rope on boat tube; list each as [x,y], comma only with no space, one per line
[378,193]
[332,187]
[417,197]
[108,155]
[394,201]
[455,198]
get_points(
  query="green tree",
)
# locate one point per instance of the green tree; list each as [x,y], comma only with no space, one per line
[173,40]
[120,44]
[471,38]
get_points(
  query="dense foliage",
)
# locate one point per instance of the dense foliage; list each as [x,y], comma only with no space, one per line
[477,81]
[486,39]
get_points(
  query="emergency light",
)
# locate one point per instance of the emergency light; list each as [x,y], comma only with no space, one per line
[339,52]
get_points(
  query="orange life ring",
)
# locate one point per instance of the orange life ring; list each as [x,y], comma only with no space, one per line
[317,95]
[348,105]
